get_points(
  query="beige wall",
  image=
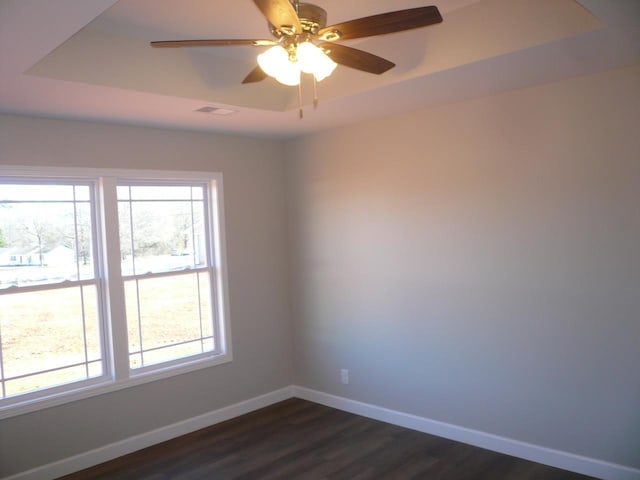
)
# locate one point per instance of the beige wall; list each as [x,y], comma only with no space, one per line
[478,264]
[256,246]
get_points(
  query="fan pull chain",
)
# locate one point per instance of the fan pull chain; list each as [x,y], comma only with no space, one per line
[315,92]
[300,98]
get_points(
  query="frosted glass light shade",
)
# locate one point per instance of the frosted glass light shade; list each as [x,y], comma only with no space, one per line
[289,75]
[313,60]
[272,60]
[275,63]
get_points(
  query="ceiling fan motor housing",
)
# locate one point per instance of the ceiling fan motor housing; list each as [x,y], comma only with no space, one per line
[312,19]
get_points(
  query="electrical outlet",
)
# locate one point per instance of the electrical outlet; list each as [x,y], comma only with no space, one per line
[344,376]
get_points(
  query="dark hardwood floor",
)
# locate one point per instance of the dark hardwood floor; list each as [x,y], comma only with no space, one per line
[296,439]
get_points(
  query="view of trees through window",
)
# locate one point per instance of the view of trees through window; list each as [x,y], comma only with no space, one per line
[52,330]
[49,330]
[45,229]
[167,279]
[168,228]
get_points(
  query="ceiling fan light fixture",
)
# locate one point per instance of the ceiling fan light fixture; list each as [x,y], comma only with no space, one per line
[273,60]
[314,61]
[276,63]
[289,76]
[286,68]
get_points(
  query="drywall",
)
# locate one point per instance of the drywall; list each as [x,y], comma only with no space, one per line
[478,264]
[255,233]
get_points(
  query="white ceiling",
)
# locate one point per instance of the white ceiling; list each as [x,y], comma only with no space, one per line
[90,59]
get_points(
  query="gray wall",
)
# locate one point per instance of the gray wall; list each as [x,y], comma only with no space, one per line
[257,256]
[478,264]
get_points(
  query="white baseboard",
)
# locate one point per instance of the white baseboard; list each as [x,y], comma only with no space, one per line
[568,461]
[535,453]
[130,445]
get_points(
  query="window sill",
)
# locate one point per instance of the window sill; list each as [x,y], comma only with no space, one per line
[109,385]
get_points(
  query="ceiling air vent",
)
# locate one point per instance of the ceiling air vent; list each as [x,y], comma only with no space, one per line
[215,110]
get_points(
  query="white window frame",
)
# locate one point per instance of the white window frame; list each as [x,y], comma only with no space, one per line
[117,374]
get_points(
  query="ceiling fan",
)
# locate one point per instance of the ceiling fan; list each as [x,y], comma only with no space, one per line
[303,43]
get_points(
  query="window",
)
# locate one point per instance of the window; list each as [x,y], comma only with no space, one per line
[166,269]
[49,328]
[107,281]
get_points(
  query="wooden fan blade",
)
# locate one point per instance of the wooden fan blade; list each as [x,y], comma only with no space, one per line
[383,23]
[255,75]
[281,15]
[211,43]
[358,59]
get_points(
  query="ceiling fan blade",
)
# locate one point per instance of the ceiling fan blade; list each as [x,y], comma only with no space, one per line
[281,14]
[358,59]
[255,75]
[383,23]
[212,43]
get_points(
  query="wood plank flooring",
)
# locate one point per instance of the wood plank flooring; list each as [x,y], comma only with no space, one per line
[296,439]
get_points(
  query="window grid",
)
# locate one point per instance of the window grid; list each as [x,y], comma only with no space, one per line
[55,369]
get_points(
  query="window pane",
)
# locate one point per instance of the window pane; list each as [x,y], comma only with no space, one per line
[205,304]
[164,192]
[171,313]
[47,330]
[123,192]
[44,380]
[80,241]
[82,193]
[29,192]
[133,325]
[126,249]
[43,237]
[164,235]
[198,237]
[135,360]
[172,352]
[197,193]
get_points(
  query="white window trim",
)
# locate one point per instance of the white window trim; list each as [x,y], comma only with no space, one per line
[116,343]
